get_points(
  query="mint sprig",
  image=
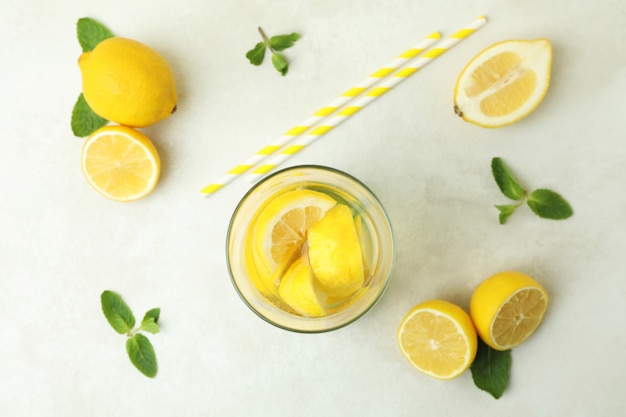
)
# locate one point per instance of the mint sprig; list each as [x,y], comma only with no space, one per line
[491,369]
[121,318]
[544,203]
[274,44]
[84,120]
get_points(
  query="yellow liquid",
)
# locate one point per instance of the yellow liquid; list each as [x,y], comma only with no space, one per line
[268,286]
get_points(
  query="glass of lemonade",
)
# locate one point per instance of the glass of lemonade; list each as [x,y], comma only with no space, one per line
[310,249]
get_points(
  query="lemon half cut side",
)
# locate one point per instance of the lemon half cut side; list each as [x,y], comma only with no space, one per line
[504,83]
[507,308]
[438,338]
[120,163]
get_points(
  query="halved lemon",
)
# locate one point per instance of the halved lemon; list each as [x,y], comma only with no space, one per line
[280,230]
[507,308]
[120,163]
[504,83]
[438,338]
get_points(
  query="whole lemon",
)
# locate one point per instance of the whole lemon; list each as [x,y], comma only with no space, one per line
[127,82]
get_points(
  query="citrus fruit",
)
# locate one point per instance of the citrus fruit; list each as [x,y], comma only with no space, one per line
[363,241]
[507,308]
[438,338]
[280,230]
[335,252]
[127,82]
[120,163]
[299,289]
[504,83]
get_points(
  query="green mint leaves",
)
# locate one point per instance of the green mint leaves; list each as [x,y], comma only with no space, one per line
[149,322]
[491,369]
[275,44]
[117,313]
[549,205]
[505,180]
[91,33]
[84,120]
[544,203]
[141,354]
[138,346]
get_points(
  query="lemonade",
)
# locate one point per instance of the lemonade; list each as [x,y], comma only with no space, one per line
[310,249]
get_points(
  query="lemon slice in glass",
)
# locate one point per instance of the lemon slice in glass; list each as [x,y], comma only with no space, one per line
[280,231]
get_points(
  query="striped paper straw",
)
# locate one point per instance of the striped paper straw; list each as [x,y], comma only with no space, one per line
[323,112]
[345,113]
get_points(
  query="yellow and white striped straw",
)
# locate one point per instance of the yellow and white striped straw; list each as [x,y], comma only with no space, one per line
[323,112]
[402,74]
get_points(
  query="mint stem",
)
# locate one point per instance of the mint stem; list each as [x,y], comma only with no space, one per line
[523,200]
[266,39]
[133,332]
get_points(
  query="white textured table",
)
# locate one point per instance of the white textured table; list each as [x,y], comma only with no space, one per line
[62,244]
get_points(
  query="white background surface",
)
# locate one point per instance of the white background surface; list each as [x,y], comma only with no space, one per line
[62,244]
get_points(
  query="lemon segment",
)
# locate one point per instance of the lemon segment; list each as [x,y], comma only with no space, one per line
[504,83]
[299,290]
[280,231]
[127,82]
[335,252]
[120,163]
[438,338]
[507,308]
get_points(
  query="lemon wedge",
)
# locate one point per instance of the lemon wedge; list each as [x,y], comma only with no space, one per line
[299,290]
[120,163]
[504,83]
[335,252]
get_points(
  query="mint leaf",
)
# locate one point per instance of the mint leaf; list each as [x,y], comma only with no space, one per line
[509,186]
[149,322]
[84,120]
[91,33]
[282,42]
[491,369]
[117,313]
[549,205]
[506,211]
[257,54]
[280,63]
[141,354]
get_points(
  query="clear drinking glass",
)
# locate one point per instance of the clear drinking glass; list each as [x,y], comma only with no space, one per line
[376,243]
